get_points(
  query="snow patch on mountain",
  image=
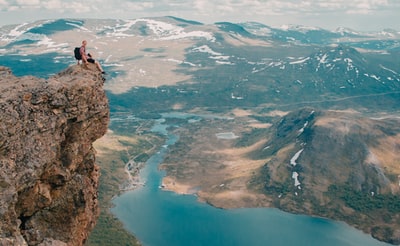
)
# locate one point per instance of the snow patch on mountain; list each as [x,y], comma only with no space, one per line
[180,62]
[121,30]
[295,176]
[302,60]
[206,49]
[387,69]
[345,31]
[18,30]
[18,34]
[299,28]
[49,43]
[167,31]
[76,25]
[219,57]
[293,160]
[161,30]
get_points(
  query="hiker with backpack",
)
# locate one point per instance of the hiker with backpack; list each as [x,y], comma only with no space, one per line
[86,58]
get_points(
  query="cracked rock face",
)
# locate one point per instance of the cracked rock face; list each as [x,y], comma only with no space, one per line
[48,175]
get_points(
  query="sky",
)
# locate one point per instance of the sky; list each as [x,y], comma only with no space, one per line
[361,15]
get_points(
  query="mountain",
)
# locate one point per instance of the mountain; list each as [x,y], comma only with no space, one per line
[334,95]
[49,179]
[335,164]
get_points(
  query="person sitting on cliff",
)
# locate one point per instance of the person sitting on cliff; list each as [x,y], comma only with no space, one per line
[86,58]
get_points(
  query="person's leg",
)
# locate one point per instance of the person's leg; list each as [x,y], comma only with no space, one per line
[91,60]
[99,66]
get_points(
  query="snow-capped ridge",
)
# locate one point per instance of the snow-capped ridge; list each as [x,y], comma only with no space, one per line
[162,30]
[346,31]
[298,28]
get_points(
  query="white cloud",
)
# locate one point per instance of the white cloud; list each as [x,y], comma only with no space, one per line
[324,13]
[28,2]
[53,5]
[139,6]
[3,5]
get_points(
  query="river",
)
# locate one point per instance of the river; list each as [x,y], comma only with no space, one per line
[163,218]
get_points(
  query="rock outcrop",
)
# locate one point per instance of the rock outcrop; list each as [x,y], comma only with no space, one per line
[48,175]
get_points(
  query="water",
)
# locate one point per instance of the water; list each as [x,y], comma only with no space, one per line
[160,218]
[22,65]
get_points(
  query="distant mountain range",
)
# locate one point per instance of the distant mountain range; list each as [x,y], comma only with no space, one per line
[286,65]
[331,87]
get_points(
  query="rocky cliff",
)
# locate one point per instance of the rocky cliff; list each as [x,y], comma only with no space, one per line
[48,175]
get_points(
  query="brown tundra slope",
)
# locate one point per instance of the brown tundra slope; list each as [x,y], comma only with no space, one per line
[336,164]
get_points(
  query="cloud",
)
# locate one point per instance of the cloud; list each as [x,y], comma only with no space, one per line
[53,5]
[28,2]
[205,6]
[322,12]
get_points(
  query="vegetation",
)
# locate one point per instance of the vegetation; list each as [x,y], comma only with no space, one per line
[109,230]
[365,202]
[217,88]
[381,211]
[252,137]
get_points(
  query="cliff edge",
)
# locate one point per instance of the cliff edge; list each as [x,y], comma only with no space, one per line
[48,175]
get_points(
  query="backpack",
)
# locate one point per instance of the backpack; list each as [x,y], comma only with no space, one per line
[77,53]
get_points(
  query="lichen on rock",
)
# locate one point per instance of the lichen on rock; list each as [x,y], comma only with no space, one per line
[48,175]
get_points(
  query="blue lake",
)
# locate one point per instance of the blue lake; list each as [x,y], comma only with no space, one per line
[163,218]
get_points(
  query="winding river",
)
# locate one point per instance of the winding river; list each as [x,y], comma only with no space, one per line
[162,218]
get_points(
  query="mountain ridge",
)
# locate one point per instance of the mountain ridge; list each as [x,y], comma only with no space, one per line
[336,165]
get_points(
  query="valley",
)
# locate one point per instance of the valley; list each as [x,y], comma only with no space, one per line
[258,170]
[304,120]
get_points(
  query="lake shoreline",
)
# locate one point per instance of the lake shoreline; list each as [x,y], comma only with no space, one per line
[229,196]
[221,174]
